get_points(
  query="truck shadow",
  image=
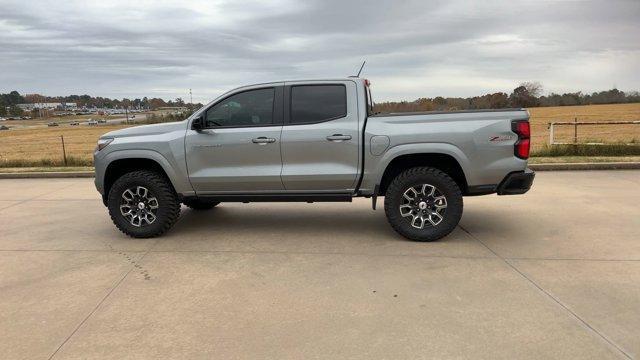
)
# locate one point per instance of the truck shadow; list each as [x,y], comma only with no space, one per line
[260,220]
[301,226]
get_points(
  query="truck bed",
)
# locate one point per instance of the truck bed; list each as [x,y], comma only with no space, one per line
[445,112]
[481,141]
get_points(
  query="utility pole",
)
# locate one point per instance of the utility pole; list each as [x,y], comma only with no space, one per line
[190,98]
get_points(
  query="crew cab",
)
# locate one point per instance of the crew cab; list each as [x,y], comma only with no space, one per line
[312,141]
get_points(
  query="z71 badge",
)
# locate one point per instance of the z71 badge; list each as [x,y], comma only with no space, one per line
[499,138]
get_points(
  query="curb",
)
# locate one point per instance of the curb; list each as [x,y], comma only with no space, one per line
[48,175]
[535,167]
[586,166]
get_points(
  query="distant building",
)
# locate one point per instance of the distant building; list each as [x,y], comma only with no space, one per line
[49,106]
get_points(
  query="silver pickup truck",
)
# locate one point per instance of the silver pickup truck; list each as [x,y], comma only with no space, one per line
[312,141]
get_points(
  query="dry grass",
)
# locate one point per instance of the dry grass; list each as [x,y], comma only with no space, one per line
[43,147]
[540,117]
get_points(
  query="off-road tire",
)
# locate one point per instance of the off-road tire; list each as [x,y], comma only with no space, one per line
[159,186]
[200,204]
[414,177]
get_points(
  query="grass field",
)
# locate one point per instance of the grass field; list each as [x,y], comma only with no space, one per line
[37,147]
[43,147]
[540,117]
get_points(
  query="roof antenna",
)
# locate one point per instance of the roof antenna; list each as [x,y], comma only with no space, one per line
[359,71]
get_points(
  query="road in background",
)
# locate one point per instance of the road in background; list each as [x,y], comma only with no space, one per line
[61,121]
[551,274]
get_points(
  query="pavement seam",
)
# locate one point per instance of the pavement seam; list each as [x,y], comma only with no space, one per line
[319,253]
[258,252]
[571,259]
[323,253]
[101,301]
[557,301]
[35,197]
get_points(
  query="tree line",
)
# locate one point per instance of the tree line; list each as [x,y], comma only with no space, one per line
[526,95]
[9,102]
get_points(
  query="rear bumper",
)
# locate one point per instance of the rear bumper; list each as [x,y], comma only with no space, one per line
[518,182]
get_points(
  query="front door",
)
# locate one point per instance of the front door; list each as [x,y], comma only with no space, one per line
[239,149]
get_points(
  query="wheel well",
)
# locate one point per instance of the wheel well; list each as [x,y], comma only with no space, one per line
[445,163]
[120,167]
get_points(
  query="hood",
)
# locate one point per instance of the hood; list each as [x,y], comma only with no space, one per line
[152,129]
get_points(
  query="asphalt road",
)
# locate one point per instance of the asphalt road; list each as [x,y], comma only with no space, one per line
[552,274]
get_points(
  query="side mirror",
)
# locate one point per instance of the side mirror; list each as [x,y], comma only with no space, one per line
[197,124]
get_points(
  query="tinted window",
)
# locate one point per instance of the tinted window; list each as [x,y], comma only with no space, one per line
[249,108]
[315,103]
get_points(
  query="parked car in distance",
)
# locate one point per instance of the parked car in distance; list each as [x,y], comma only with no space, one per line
[74,123]
[52,124]
[92,122]
[4,127]
[102,121]
[313,141]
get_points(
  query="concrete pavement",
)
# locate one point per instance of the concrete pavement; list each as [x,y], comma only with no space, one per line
[552,274]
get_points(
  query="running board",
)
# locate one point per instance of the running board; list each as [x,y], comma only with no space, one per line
[279,198]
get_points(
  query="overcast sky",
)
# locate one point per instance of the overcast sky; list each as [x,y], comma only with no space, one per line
[413,48]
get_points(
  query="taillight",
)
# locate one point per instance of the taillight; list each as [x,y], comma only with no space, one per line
[522,146]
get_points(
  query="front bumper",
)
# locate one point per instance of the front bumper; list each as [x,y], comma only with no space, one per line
[518,182]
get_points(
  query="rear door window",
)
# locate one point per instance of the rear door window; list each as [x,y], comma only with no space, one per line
[317,103]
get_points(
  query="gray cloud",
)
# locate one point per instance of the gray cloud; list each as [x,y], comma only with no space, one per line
[413,48]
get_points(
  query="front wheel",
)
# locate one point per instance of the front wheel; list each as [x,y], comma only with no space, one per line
[423,204]
[143,204]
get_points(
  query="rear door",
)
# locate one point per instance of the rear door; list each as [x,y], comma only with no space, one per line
[320,139]
[239,149]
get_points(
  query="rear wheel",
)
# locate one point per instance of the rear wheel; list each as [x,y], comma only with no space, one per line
[423,204]
[143,204]
[200,204]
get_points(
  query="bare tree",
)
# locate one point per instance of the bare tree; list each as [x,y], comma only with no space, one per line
[533,87]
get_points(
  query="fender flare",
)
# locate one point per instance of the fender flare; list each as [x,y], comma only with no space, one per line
[421,148]
[179,184]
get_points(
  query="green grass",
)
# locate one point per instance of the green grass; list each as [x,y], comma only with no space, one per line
[46,162]
[582,159]
[14,170]
[587,150]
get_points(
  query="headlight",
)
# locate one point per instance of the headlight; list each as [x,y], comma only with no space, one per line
[102,143]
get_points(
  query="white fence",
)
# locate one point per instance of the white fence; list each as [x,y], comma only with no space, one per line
[616,135]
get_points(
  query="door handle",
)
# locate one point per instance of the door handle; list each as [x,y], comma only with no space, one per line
[338,137]
[263,140]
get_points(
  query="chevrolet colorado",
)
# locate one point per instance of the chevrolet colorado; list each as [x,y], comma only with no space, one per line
[312,141]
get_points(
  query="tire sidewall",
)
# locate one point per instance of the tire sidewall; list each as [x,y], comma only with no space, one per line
[114,199]
[416,177]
